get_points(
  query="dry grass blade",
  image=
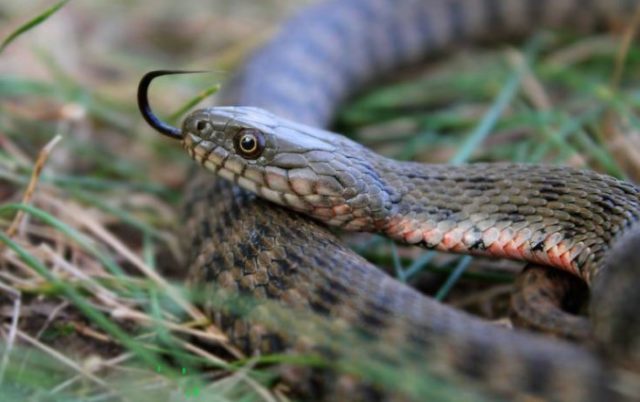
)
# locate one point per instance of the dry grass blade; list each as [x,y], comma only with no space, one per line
[35,176]
[531,85]
[65,361]
[53,315]
[258,388]
[580,51]
[13,150]
[13,327]
[241,376]
[144,319]
[102,364]
[624,48]
[203,353]
[622,145]
[103,294]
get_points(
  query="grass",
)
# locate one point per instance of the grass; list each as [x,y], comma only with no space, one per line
[88,232]
[32,23]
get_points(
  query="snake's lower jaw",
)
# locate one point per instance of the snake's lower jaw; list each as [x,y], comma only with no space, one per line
[189,142]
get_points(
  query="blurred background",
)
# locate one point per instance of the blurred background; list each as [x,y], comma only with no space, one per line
[90,296]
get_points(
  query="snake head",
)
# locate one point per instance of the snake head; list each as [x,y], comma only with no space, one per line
[325,175]
[300,167]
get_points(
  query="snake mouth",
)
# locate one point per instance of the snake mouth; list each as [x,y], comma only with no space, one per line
[207,153]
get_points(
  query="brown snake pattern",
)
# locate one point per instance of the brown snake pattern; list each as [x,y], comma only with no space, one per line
[556,216]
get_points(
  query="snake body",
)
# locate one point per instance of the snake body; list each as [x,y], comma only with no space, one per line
[556,216]
[274,146]
[270,254]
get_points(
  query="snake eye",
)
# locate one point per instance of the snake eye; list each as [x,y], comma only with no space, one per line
[203,127]
[249,143]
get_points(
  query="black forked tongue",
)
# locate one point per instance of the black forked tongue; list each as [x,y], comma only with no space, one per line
[145,108]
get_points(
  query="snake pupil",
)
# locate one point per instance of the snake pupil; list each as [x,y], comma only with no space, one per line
[249,143]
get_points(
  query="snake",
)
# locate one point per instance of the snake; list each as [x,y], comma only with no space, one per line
[265,229]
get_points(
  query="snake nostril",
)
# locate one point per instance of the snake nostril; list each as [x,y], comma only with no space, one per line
[201,125]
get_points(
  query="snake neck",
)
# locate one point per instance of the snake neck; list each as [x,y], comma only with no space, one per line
[551,215]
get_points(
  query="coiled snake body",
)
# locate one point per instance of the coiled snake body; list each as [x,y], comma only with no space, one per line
[570,219]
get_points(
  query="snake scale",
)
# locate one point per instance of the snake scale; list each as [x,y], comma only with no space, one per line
[275,147]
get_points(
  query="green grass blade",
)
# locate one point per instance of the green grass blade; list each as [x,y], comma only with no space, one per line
[32,23]
[397,264]
[193,102]
[453,278]
[419,264]
[503,100]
